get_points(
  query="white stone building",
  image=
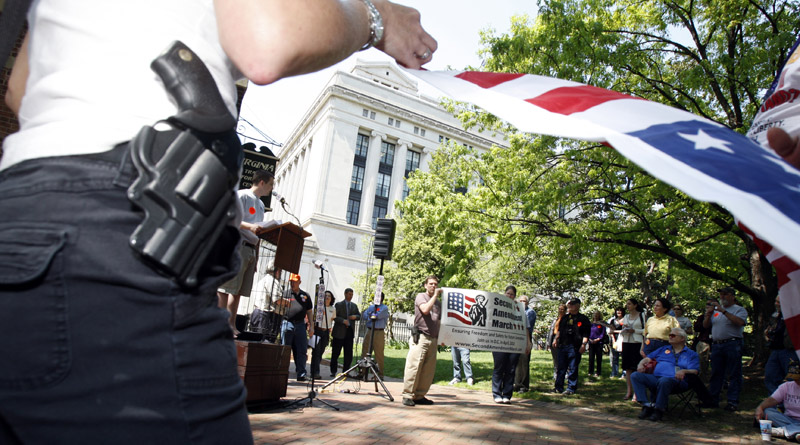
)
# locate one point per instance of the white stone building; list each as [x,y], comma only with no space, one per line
[345,164]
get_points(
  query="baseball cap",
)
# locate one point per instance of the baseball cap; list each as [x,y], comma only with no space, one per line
[574,301]
[294,277]
[726,290]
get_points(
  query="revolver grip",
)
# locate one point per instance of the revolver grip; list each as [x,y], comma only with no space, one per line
[189,83]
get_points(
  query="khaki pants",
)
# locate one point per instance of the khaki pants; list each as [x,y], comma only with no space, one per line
[378,351]
[704,351]
[420,367]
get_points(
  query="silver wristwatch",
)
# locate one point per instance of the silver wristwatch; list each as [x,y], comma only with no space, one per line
[375,25]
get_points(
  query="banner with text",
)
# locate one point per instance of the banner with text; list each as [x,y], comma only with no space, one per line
[481,320]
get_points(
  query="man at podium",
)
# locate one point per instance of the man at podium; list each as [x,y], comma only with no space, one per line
[252,213]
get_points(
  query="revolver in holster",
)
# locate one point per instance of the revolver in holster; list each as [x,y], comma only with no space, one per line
[186,175]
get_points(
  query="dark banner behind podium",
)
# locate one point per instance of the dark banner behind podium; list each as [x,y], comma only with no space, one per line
[257,160]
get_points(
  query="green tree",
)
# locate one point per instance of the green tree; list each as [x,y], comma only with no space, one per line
[560,216]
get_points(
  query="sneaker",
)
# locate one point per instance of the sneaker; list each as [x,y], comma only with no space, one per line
[408,402]
[317,377]
[454,381]
[568,392]
[558,391]
[731,408]
[507,401]
[657,415]
[778,431]
[302,378]
[470,382]
[423,401]
[498,400]
[647,411]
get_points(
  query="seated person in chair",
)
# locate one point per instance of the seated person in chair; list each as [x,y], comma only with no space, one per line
[787,423]
[673,363]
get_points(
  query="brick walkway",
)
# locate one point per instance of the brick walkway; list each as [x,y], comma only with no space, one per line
[459,415]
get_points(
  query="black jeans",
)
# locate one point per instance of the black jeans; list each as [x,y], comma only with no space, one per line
[337,344]
[95,346]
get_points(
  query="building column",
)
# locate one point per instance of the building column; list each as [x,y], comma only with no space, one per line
[370,180]
[398,172]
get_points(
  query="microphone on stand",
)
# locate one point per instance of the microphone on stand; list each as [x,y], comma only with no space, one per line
[280,198]
[319,265]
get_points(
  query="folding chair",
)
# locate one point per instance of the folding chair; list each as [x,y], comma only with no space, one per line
[683,399]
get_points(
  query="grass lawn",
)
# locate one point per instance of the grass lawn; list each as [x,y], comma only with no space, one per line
[602,394]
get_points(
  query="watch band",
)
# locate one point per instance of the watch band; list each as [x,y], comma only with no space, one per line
[375,25]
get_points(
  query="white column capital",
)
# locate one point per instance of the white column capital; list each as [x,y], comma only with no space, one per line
[376,134]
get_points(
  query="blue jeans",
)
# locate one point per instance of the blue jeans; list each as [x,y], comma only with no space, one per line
[505,367]
[660,389]
[97,346]
[461,357]
[294,335]
[614,358]
[726,361]
[776,368]
[778,418]
[569,360]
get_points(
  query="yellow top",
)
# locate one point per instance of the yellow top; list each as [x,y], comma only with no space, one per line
[659,327]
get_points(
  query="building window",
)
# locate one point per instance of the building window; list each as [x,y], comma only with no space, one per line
[357,179]
[362,145]
[372,115]
[377,212]
[443,139]
[387,153]
[353,207]
[383,185]
[365,112]
[391,121]
[416,130]
[351,244]
[397,124]
[412,161]
[422,132]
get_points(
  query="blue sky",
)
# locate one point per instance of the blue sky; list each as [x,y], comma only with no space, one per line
[275,109]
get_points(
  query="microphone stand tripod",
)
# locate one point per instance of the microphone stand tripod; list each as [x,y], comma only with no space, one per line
[312,393]
[366,363]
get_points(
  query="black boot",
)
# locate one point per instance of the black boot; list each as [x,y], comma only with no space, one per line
[657,415]
[647,411]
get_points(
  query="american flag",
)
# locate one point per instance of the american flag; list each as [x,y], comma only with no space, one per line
[700,157]
[458,306]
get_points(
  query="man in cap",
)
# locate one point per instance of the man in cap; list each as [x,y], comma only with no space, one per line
[573,335]
[787,423]
[344,331]
[295,330]
[727,321]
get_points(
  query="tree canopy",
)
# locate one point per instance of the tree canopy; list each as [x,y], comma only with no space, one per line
[558,217]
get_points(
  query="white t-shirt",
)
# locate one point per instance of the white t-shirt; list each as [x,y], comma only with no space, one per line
[789,394]
[781,107]
[90,85]
[252,212]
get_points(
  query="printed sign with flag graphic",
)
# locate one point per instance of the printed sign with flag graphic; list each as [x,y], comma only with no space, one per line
[481,320]
[458,306]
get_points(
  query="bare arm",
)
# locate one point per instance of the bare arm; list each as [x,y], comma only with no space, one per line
[18,78]
[769,402]
[271,39]
[425,308]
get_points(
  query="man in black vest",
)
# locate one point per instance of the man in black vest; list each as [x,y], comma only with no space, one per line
[573,335]
[295,331]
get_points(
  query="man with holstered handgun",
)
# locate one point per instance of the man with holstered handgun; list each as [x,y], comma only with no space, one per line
[421,361]
[118,205]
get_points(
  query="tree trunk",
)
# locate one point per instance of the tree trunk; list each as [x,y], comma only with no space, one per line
[763,290]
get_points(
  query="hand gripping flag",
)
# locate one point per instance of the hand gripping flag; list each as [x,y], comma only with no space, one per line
[702,158]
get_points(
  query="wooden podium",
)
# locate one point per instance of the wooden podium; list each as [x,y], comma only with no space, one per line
[264,367]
